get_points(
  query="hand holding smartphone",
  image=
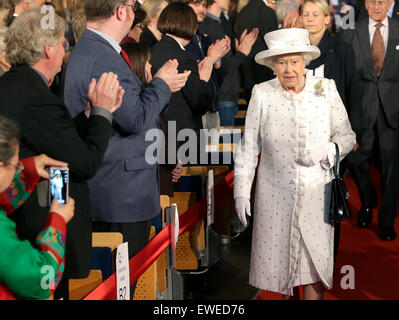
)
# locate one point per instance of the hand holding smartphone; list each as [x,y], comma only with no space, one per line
[59,185]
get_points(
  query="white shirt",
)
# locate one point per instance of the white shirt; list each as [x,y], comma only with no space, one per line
[384,31]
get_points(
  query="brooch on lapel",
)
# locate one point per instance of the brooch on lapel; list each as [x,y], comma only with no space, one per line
[318,89]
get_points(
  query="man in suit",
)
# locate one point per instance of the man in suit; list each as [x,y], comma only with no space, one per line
[361,12]
[125,192]
[256,14]
[376,43]
[47,127]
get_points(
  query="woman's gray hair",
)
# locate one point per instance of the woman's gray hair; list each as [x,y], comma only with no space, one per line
[307,58]
[9,138]
[3,31]
[30,32]
[283,7]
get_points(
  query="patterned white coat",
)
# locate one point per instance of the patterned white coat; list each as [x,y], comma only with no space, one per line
[292,241]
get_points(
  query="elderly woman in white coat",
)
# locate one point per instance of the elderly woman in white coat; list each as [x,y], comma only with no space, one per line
[292,122]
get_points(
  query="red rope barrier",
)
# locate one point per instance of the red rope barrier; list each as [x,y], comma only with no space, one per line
[147,256]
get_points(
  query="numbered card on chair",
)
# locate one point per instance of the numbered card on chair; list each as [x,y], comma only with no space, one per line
[122,272]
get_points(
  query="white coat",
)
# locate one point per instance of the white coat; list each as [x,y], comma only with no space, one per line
[292,240]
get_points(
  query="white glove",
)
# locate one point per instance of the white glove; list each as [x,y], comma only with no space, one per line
[243,207]
[310,158]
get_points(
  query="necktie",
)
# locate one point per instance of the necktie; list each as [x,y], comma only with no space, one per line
[126,58]
[378,50]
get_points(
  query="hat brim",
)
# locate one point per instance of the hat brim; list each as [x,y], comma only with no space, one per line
[266,57]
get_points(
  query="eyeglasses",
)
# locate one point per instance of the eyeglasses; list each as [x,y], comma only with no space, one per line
[18,167]
[66,45]
[134,6]
[140,26]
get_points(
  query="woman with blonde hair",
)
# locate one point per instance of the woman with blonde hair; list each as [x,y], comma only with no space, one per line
[337,62]
[150,34]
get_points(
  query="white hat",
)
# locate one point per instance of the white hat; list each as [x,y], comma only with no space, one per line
[283,41]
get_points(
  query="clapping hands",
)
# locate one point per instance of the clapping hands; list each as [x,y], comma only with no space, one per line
[169,73]
[246,41]
[205,68]
[219,49]
[106,93]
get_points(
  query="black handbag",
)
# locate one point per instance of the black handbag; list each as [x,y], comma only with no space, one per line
[339,207]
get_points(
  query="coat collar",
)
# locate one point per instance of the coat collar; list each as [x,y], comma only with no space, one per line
[28,71]
[88,34]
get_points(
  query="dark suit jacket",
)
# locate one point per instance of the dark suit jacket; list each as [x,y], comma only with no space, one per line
[373,89]
[47,127]
[125,179]
[186,106]
[256,15]
[148,37]
[395,12]
[198,48]
[340,65]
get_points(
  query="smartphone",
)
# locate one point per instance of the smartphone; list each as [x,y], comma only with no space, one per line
[59,184]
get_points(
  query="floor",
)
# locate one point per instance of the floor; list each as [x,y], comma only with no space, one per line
[227,279]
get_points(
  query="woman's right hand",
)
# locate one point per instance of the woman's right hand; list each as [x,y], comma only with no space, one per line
[205,67]
[106,93]
[169,73]
[243,208]
[246,41]
[66,210]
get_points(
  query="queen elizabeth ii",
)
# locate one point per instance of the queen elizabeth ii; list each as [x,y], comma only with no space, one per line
[292,122]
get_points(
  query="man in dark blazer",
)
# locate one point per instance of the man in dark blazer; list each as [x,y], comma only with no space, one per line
[125,192]
[376,45]
[361,12]
[256,14]
[47,127]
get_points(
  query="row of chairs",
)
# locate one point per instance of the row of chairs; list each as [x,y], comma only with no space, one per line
[193,247]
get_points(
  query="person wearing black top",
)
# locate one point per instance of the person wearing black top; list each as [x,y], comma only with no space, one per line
[178,23]
[256,14]
[217,27]
[336,61]
[151,35]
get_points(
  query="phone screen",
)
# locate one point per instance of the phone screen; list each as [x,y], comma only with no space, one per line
[59,184]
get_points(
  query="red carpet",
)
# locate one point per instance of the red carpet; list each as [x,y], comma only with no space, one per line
[375,262]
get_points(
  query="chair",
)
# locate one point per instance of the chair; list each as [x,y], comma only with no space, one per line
[79,288]
[191,244]
[146,284]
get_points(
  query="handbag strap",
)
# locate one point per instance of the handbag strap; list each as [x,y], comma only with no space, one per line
[336,165]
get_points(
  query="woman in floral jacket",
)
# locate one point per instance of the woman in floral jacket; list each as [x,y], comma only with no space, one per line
[25,271]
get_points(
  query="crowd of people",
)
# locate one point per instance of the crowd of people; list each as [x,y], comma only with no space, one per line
[87,90]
